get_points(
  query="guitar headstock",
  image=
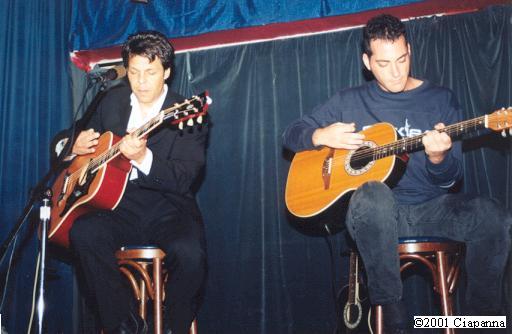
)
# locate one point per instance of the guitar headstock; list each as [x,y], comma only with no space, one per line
[500,120]
[190,111]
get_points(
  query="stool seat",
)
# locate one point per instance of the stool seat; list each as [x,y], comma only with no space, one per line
[142,253]
[428,245]
[403,240]
[139,247]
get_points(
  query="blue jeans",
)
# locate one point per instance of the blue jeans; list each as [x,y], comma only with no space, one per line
[375,221]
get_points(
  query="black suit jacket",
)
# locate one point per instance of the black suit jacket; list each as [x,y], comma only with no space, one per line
[178,159]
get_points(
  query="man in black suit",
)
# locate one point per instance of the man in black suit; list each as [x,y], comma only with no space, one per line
[158,206]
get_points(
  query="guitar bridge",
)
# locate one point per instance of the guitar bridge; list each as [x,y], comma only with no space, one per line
[327,169]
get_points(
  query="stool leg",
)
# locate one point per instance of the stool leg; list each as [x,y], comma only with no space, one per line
[379,321]
[143,296]
[193,327]
[157,286]
[443,288]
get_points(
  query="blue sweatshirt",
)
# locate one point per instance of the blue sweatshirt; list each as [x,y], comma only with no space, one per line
[411,113]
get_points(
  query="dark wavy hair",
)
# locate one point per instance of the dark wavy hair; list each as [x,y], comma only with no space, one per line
[383,26]
[149,44]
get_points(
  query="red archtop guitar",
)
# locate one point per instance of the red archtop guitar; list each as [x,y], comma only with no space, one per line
[98,180]
[319,178]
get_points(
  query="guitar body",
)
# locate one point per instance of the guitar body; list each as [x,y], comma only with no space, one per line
[101,189]
[319,178]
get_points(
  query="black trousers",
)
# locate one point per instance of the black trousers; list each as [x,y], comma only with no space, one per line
[375,221]
[96,237]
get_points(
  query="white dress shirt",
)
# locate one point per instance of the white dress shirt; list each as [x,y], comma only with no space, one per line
[137,120]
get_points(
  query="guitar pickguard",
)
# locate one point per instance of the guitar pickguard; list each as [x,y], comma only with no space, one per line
[79,191]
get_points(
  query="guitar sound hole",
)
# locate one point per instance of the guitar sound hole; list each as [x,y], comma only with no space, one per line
[359,161]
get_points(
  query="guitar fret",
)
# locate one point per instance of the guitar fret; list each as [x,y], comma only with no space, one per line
[412,143]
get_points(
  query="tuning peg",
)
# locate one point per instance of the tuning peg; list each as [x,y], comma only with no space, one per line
[190,122]
[180,126]
[504,134]
[199,120]
[510,131]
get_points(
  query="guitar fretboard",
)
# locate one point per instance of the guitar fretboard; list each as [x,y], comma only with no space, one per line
[410,144]
[177,112]
[114,151]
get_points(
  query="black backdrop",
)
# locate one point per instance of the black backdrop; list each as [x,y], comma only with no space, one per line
[264,276]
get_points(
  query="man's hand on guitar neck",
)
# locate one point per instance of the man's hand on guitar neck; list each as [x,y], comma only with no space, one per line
[133,148]
[437,144]
[338,135]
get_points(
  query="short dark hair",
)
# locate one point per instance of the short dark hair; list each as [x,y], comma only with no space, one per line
[149,44]
[383,26]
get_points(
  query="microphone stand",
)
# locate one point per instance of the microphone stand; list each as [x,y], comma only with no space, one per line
[37,193]
[44,217]
[57,165]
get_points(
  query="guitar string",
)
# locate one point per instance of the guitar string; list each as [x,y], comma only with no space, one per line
[359,155]
[107,155]
[75,176]
[404,144]
[411,142]
[114,150]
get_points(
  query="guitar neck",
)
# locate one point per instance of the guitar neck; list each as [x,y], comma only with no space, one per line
[411,144]
[178,112]
[114,151]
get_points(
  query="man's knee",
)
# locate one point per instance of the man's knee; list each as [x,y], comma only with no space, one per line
[372,194]
[371,201]
[491,217]
[189,256]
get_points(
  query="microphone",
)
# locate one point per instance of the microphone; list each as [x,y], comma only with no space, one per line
[116,72]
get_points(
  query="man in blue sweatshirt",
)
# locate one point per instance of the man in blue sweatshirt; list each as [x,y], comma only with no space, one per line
[419,204]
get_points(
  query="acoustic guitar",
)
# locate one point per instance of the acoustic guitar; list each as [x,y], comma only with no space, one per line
[98,180]
[319,178]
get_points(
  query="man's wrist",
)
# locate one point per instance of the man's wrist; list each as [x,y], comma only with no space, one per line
[145,162]
[316,137]
[140,160]
[438,158]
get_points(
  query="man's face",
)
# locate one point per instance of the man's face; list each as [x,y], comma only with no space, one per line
[390,63]
[147,78]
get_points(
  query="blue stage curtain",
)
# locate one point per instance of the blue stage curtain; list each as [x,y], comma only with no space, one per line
[35,102]
[265,277]
[98,24]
